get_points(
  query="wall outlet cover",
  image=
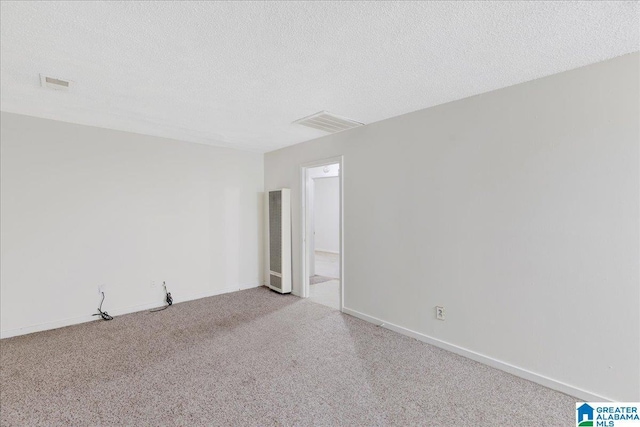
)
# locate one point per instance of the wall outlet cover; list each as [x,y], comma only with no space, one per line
[439,313]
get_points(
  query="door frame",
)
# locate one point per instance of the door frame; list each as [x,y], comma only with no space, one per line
[306,213]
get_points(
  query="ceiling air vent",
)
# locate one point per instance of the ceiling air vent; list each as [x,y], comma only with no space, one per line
[54,83]
[327,122]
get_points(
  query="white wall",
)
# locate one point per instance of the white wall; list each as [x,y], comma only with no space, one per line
[326,204]
[324,171]
[516,210]
[84,206]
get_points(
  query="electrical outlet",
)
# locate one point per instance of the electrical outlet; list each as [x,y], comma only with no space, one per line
[439,313]
[153,283]
[102,288]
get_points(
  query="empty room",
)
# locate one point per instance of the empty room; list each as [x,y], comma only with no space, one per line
[315,213]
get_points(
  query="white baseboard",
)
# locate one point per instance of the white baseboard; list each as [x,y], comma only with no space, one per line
[250,286]
[119,311]
[586,396]
[191,297]
[46,326]
[327,251]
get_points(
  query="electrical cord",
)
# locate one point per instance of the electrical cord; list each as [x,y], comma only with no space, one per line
[168,299]
[103,314]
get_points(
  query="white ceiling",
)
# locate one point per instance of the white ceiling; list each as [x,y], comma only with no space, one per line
[237,74]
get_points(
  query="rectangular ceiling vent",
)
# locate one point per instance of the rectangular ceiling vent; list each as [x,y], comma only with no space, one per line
[328,122]
[54,83]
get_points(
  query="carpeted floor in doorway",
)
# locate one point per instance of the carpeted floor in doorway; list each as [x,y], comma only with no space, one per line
[256,358]
[314,280]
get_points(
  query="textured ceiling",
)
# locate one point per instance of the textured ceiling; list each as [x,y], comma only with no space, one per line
[237,74]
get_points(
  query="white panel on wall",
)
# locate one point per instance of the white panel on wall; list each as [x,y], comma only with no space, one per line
[279,240]
[517,210]
[83,206]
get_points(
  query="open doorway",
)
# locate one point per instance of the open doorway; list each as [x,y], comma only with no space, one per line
[323,233]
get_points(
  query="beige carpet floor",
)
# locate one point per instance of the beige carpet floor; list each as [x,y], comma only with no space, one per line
[314,280]
[326,293]
[256,358]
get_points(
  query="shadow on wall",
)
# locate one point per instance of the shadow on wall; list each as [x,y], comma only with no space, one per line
[232,234]
[261,237]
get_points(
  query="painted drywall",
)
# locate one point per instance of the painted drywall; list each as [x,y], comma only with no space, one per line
[517,210]
[83,206]
[326,171]
[326,205]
